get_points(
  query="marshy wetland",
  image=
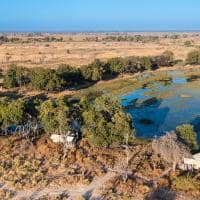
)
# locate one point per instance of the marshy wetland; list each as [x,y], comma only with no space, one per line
[163,105]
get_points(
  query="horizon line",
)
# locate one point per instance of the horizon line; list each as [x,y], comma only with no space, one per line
[104,31]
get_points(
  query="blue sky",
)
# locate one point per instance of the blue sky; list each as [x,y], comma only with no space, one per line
[99,15]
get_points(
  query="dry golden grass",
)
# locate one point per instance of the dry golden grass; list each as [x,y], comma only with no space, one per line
[80,52]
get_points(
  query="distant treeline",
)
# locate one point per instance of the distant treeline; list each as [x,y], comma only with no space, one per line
[33,37]
[66,76]
[124,38]
[5,39]
[135,38]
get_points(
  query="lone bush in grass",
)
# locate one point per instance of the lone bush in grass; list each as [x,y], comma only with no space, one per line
[188,43]
[187,135]
[193,58]
[105,123]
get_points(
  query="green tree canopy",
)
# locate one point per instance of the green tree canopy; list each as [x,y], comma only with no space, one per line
[105,123]
[55,116]
[116,65]
[45,79]
[193,58]
[15,77]
[12,112]
[70,75]
[94,71]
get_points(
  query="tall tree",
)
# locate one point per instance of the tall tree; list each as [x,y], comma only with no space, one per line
[105,123]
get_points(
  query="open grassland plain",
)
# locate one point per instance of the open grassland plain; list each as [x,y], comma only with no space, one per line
[76,49]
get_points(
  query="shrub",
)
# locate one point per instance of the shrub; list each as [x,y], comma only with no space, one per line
[12,112]
[116,65]
[169,56]
[166,59]
[187,135]
[45,79]
[55,116]
[10,80]
[193,58]
[132,65]
[145,63]
[188,43]
[15,77]
[69,75]
[94,71]
[105,123]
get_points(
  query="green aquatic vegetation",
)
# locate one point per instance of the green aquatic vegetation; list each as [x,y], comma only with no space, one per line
[126,85]
[187,135]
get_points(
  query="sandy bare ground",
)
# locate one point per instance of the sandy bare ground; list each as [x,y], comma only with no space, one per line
[88,191]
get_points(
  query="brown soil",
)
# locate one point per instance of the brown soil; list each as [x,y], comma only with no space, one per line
[39,170]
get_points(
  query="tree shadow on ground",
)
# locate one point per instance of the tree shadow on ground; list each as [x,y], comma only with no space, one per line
[161,193]
[11,94]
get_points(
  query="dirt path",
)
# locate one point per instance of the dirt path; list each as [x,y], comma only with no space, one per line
[89,191]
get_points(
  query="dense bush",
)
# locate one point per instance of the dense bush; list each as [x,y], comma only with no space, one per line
[12,112]
[105,123]
[116,65]
[145,63]
[166,59]
[94,71]
[137,64]
[45,79]
[70,75]
[16,77]
[129,65]
[55,116]
[193,58]
[10,80]
[187,135]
